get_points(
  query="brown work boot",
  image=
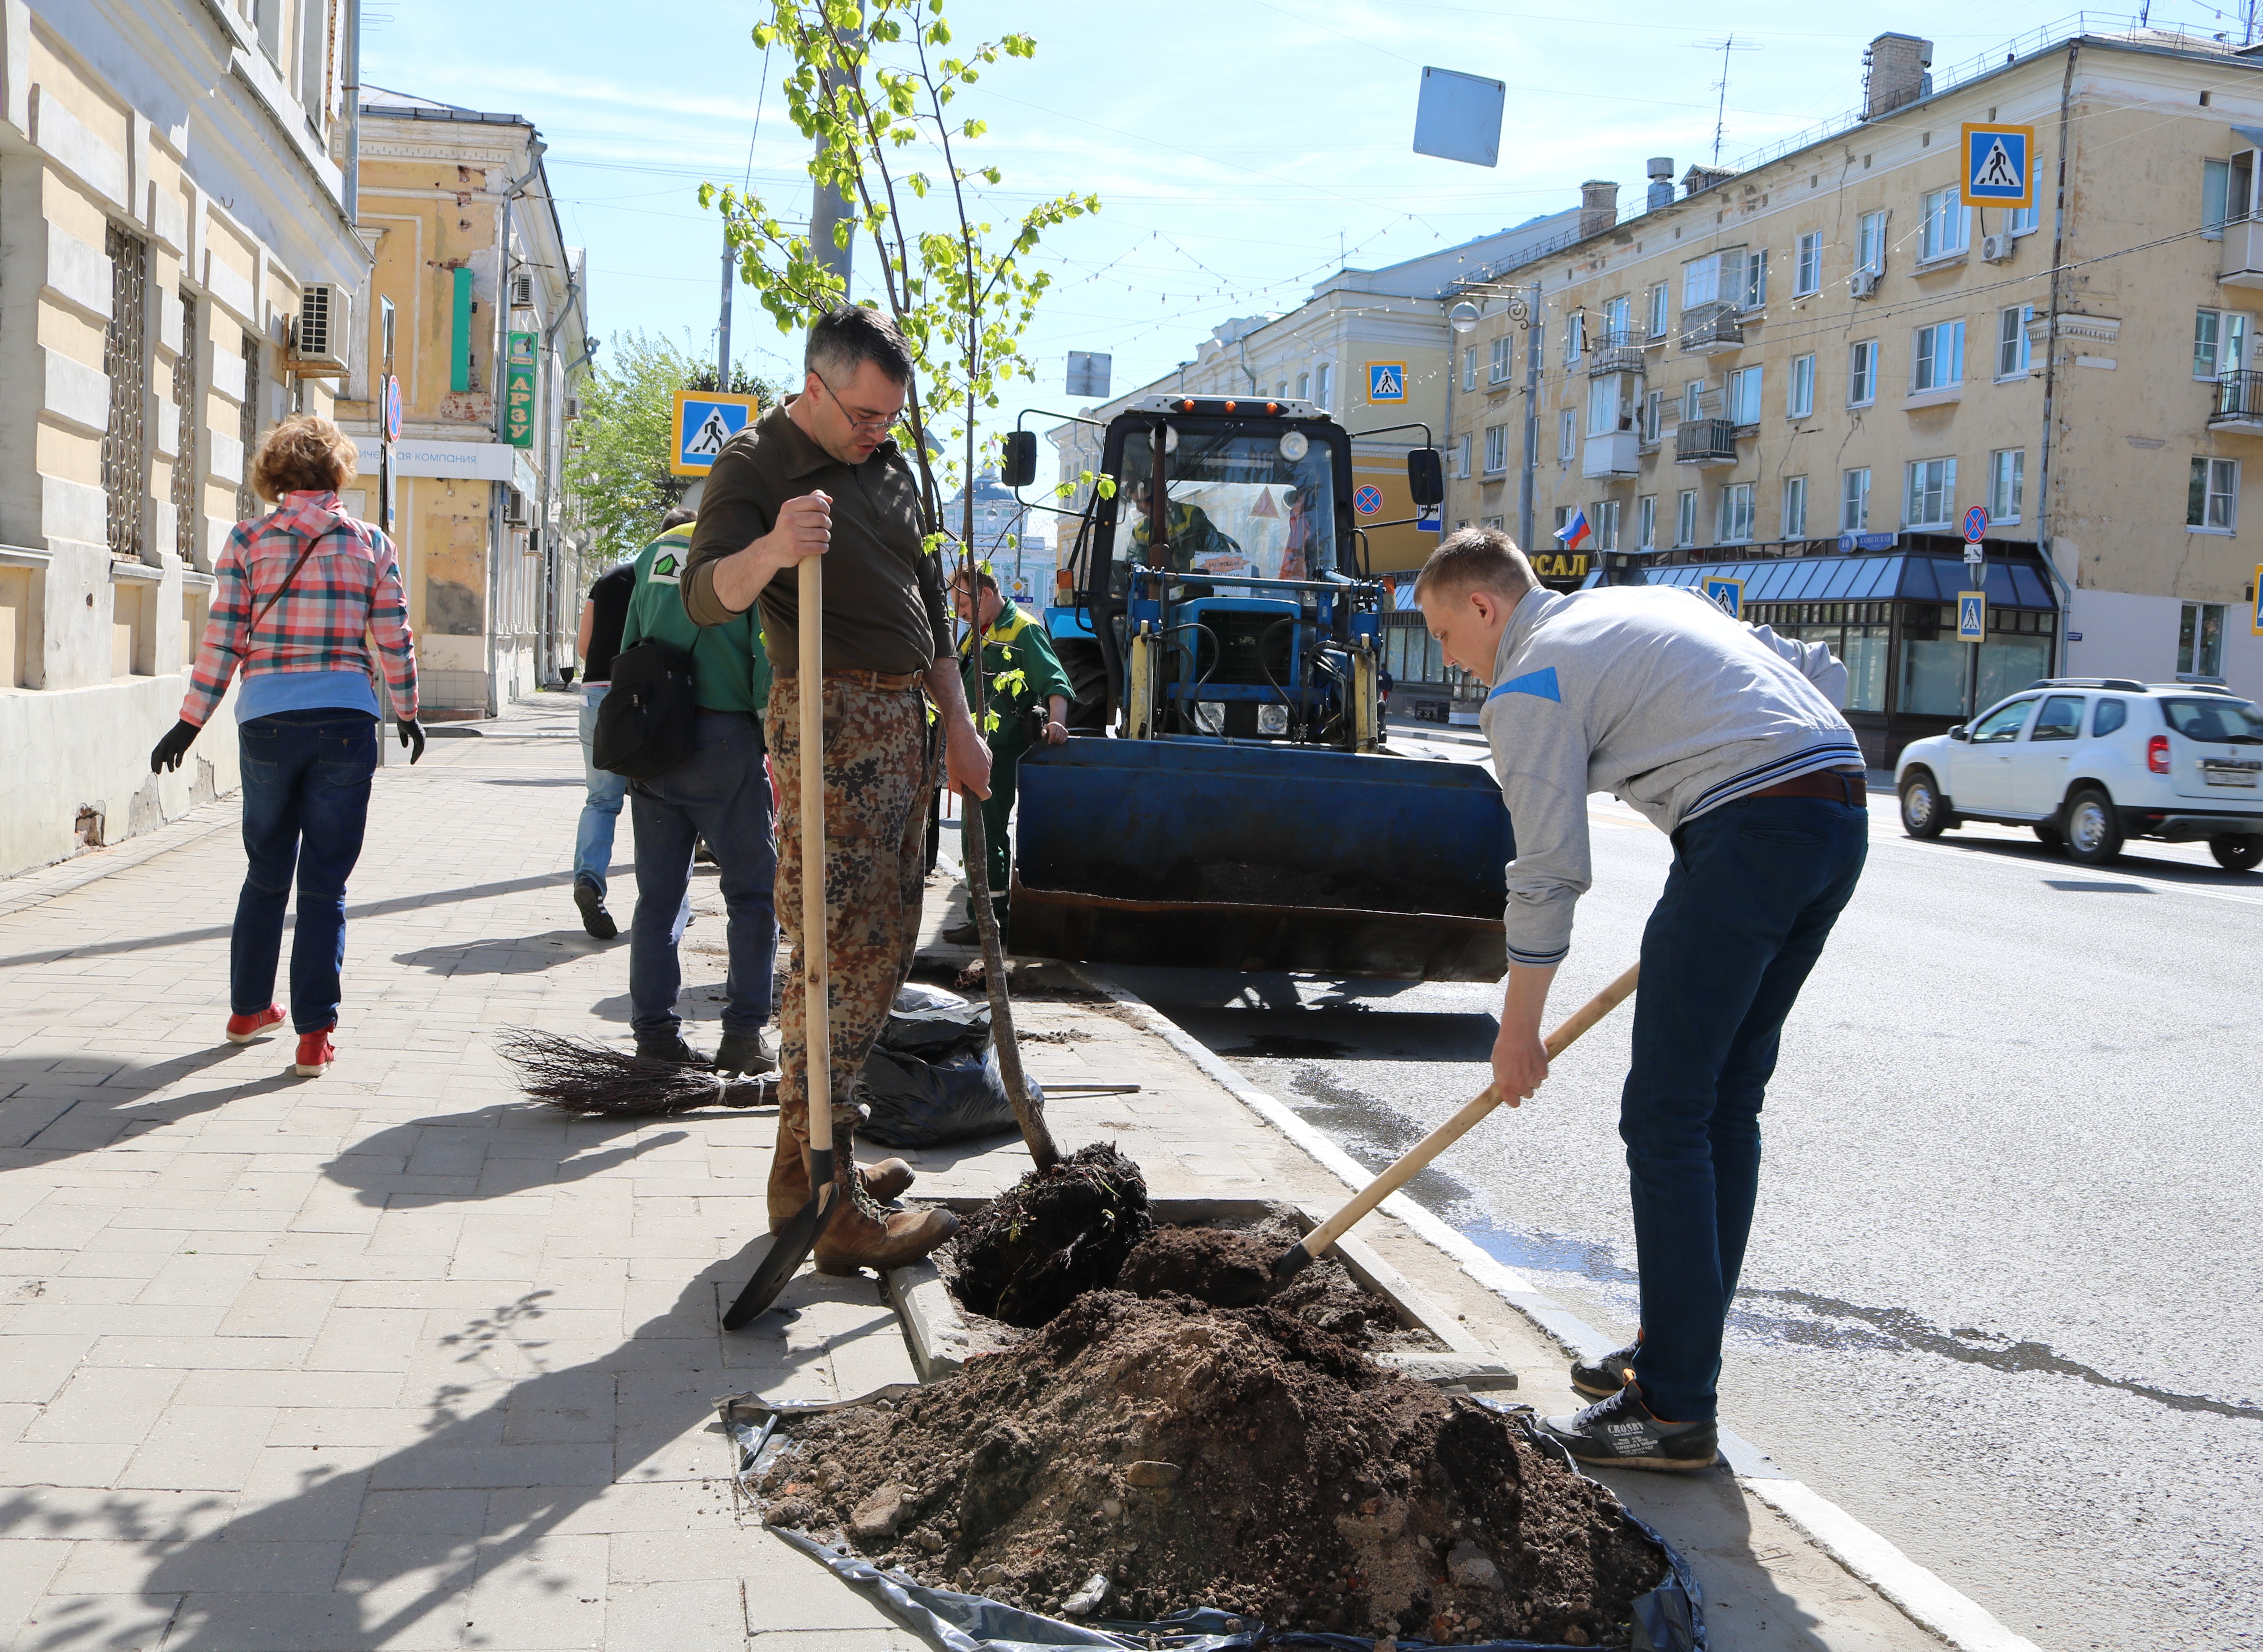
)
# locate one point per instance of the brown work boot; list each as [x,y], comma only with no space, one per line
[789,1189]
[865,1234]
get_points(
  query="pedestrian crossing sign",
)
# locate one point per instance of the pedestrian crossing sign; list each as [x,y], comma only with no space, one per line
[1728,596]
[1999,165]
[1386,381]
[1971,617]
[705,420]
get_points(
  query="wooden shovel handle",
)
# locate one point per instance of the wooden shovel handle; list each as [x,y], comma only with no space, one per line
[1398,1175]
[816,962]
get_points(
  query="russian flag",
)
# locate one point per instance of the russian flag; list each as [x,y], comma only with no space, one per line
[1574,531]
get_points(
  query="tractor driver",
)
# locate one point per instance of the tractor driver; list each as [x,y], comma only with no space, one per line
[1730,740]
[1187,530]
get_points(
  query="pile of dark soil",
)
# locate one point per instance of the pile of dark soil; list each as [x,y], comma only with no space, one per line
[1053,1234]
[1237,1458]
[1233,1268]
[1242,883]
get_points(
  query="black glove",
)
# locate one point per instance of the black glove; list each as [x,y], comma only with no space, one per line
[413,737]
[166,752]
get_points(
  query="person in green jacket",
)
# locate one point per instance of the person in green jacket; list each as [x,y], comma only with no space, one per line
[721,792]
[1020,674]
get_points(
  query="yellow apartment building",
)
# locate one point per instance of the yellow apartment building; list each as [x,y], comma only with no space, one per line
[176,240]
[1792,379]
[479,310]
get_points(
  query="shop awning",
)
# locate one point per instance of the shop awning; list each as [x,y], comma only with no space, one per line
[1902,576]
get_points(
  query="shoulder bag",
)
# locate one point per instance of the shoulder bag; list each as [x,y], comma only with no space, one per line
[644,721]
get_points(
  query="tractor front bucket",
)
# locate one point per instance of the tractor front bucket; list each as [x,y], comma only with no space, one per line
[1257,857]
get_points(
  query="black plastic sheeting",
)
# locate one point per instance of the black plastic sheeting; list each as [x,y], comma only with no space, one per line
[1669,1619]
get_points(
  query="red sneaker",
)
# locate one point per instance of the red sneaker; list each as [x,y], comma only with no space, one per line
[242,1029]
[315,1054]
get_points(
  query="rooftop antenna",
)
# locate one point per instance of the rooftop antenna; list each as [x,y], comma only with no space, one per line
[1724,45]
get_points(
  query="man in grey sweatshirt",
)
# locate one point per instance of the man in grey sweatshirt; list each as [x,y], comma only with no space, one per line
[1729,738]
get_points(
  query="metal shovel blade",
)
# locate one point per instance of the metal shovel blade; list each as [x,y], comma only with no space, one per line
[790,1246]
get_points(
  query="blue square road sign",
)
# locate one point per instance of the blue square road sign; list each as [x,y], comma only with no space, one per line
[1999,165]
[1971,617]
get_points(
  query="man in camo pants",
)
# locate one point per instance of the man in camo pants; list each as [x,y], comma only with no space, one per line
[821,476]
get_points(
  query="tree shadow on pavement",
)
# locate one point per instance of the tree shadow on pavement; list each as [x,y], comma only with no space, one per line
[359,1557]
[67,1103]
[469,1156]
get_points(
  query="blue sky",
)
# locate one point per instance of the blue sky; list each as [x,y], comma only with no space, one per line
[1241,148]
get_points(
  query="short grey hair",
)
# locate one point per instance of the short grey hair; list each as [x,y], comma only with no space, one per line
[852,333]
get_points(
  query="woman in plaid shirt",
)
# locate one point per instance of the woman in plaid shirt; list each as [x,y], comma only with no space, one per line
[295,595]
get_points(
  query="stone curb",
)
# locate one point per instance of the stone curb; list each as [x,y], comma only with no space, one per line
[1918,1592]
[37,885]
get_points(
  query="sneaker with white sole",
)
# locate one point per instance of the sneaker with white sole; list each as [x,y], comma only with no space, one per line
[242,1029]
[316,1053]
[1619,1433]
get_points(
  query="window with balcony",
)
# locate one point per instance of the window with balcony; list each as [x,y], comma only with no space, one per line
[1736,513]
[2212,498]
[1855,502]
[2013,354]
[1743,401]
[1795,507]
[1618,322]
[1612,404]
[1567,427]
[1496,449]
[1932,492]
[1807,265]
[1870,243]
[1575,338]
[1752,289]
[2219,342]
[1801,400]
[1645,522]
[1862,373]
[1937,357]
[1948,226]
[1685,518]
[1469,366]
[1504,357]
[1656,305]
[2215,197]
[2007,483]
[1701,281]
[1693,400]
[1604,515]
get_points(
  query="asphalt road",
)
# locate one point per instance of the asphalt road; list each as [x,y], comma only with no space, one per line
[2002,1299]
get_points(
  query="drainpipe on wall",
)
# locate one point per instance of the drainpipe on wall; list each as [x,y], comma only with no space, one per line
[351,91]
[2061,663]
[553,456]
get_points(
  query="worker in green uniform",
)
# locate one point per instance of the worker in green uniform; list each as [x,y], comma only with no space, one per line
[721,792]
[1020,674]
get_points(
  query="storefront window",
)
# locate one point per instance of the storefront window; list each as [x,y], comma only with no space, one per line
[2009,664]
[1933,676]
[1865,656]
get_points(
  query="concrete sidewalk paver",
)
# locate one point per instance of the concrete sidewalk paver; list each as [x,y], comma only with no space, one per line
[395,1358]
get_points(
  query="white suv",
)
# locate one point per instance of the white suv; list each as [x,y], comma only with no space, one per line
[2088,761]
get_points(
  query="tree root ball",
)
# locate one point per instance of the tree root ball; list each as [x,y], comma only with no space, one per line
[1052,1237]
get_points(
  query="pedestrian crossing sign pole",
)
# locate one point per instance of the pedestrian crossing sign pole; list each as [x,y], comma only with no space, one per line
[1999,165]
[705,420]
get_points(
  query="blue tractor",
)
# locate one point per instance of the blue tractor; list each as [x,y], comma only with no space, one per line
[1230,802]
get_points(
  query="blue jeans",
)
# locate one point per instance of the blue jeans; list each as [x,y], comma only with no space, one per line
[306,802]
[722,793]
[1755,887]
[601,808]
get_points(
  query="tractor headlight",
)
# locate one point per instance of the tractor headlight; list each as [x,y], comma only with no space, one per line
[1272,719]
[1210,716]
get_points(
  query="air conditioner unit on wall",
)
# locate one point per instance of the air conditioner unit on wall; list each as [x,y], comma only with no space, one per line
[522,293]
[1862,283]
[1996,248]
[514,508]
[324,331]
